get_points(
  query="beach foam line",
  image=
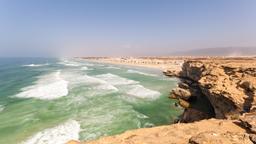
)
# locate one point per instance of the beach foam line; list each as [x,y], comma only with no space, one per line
[142,73]
[112,67]
[70,63]
[115,79]
[74,63]
[140,91]
[35,65]
[48,87]
[56,135]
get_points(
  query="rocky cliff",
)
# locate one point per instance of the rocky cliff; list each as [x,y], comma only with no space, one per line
[220,89]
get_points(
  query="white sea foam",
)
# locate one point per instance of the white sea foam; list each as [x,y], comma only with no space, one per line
[140,91]
[112,67]
[92,80]
[36,65]
[132,87]
[100,83]
[1,108]
[84,68]
[73,63]
[56,135]
[51,86]
[115,80]
[70,63]
[88,64]
[107,87]
[139,72]
[97,83]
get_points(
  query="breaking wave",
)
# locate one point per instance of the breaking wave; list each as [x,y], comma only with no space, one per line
[36,65]
[69,63]
[115,80]
[90,81]
[84,68]
[131,87]
[56,135]
[112,67]
[51,86]
[142,92]
[73,63]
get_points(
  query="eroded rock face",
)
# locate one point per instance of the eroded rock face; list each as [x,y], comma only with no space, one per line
[218,88]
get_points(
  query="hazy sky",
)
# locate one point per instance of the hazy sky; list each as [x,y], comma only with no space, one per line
[123,27]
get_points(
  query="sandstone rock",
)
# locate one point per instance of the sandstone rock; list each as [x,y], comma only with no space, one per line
[179,133]
[192,115]
[224,83]
[249,121]
[183,85]
[184,103]
[181,93]
[173,96]
[171,73]
[211,137]
[73,142]
[253,138]
[247,85]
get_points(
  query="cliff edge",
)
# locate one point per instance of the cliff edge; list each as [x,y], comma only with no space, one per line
[205,131]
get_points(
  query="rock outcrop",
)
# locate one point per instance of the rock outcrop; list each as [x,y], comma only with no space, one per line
[203,132]
[216,89]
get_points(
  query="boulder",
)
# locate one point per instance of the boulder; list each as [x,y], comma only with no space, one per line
[181,93]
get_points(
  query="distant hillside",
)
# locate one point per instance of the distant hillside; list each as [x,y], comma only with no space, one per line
[225,51]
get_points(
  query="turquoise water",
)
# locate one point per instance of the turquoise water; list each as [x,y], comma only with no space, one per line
[44,101]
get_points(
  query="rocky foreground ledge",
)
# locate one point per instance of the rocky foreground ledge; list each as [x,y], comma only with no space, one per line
[218,88]
[219,101]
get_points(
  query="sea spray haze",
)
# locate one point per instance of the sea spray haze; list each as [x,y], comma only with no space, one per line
[55,100]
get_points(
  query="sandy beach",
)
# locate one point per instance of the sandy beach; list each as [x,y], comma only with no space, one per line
[165,64]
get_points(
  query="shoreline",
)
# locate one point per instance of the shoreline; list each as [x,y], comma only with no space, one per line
[173,65]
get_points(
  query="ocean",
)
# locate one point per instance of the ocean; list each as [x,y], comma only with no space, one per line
[51,101]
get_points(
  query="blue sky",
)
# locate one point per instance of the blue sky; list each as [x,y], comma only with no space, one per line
[123,27]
